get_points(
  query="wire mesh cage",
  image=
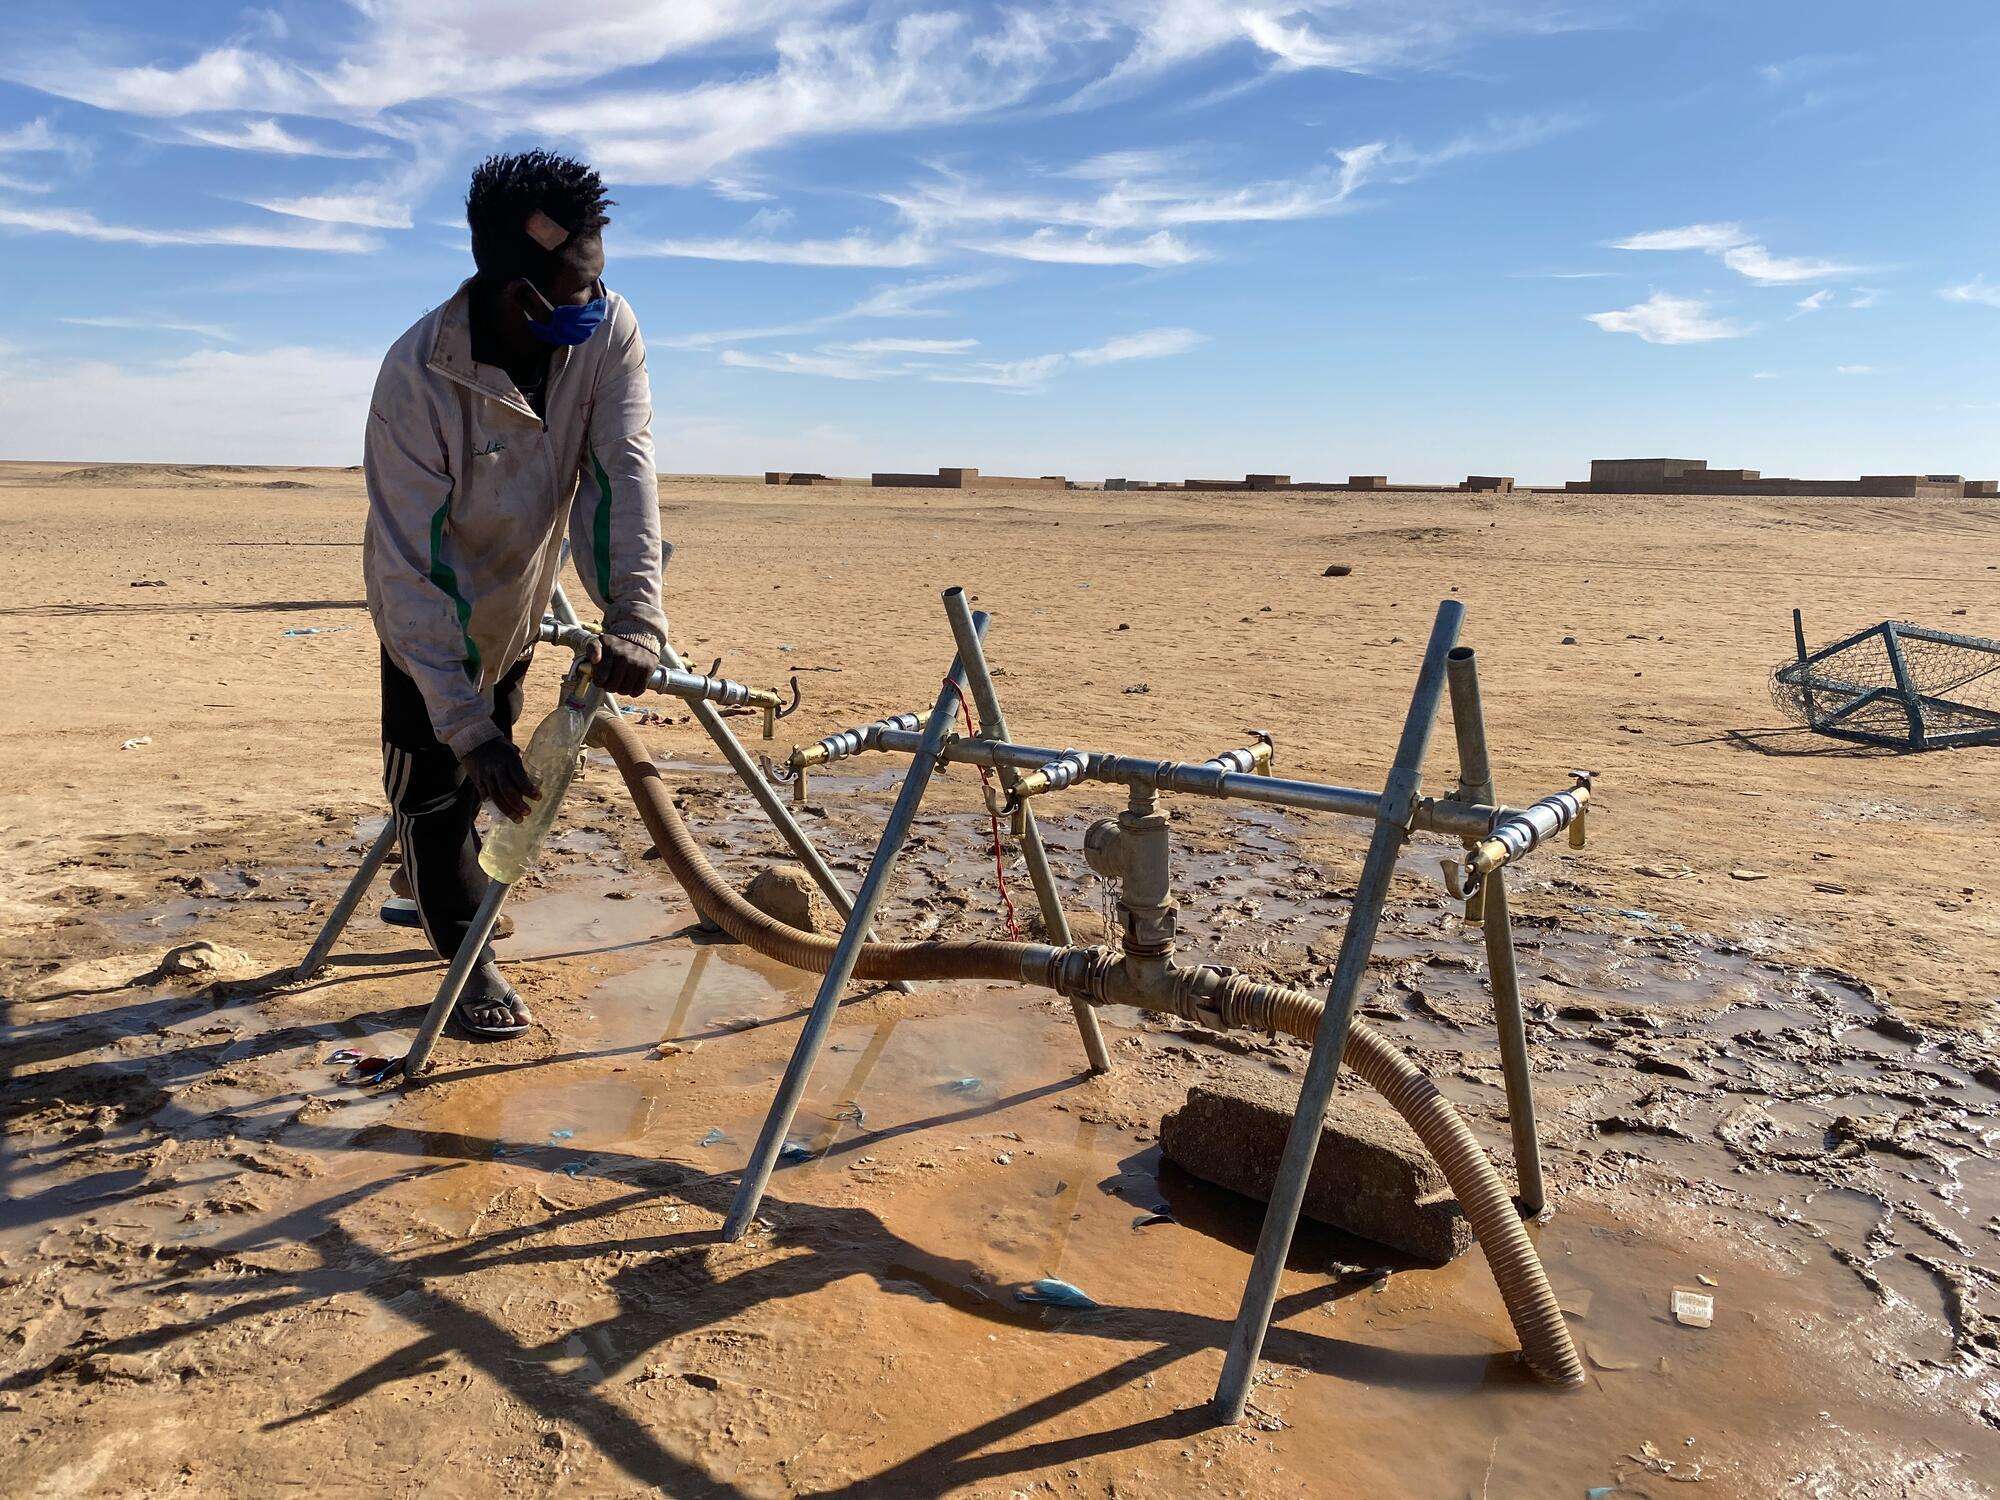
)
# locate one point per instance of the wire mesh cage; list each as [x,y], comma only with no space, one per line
[1894,684]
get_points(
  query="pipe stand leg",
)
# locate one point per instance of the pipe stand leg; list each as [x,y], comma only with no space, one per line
[993,725]
[1499,925]
[1274,1241]
[1475,784]
[343,909]
[462,962]
[826,1004]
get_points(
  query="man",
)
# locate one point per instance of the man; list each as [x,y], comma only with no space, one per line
[519,405]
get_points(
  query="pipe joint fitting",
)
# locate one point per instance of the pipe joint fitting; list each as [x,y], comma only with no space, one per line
[1148,931]
[1104,848]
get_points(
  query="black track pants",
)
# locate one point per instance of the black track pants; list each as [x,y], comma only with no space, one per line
[434,804]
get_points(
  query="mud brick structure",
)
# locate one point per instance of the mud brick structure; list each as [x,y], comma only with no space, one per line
[1693,476]
[781,476]
[968,479]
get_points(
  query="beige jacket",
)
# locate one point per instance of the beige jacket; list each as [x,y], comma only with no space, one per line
[468,491]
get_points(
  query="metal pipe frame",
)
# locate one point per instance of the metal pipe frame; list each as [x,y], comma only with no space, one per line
[1475,784]
[826,1004]
[343,909]
[1125,849]
[993,725]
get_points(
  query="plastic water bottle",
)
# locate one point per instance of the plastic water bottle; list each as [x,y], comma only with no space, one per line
[551,759]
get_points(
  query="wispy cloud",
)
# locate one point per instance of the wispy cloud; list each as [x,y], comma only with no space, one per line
[917,70]
[1813,80]
[1142,200]
[1978,290]
[1737,250]
[908,346]
[87,226]
[905,299]
[857,249]
[936,359]
[267,136]
[156,325]
[1023,375]
[1713,238]
[1355,36]
[366,207]
[1092,248]
[1814,302]
[35,136]
[406,52]
[1664,319]
[1856,370]
[829,366]
[1154,343]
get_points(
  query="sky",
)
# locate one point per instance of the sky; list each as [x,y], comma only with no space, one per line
[1139,238]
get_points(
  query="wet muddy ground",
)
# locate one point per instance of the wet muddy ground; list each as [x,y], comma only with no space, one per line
[227,1267]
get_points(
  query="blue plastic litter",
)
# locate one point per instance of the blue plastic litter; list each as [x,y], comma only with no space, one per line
[1146,1220]
[1051,1291]
[713,1138]
[793,1151]
[961,1086]
[345,1055]
[561,1135]
[319,630]
[573,1168]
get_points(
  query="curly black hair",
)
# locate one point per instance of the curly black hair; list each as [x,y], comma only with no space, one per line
[507,189]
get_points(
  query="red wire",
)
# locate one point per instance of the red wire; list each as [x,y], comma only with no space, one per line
[999,858]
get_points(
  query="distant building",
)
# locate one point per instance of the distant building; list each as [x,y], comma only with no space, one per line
[1693,476]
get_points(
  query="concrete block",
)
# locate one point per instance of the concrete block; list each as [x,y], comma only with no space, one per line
[1501,483]
[1368,481]
[1982,487]
[1266,481]
[1371,1177]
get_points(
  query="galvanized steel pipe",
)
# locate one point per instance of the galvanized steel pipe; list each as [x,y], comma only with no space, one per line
[693,687]
[1516,833]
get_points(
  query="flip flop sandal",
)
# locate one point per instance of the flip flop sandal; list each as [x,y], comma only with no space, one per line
[478,1017]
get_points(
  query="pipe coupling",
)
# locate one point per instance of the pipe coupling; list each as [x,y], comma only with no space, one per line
[1251,759]
[1080,974]
[1065,771]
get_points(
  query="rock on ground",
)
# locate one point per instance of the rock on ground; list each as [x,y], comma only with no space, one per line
[788,893]
[1371,1176]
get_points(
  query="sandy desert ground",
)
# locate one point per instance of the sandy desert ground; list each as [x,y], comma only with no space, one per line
[1765,1001]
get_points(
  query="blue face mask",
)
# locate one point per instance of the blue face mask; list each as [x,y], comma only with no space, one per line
[570,324]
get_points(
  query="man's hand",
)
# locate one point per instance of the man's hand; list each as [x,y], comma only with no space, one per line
[621,664]
[499,777]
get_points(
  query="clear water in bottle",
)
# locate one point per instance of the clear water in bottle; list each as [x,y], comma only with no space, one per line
[551,758]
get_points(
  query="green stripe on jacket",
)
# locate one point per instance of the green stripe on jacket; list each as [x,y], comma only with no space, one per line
[600,531]
[442,575]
